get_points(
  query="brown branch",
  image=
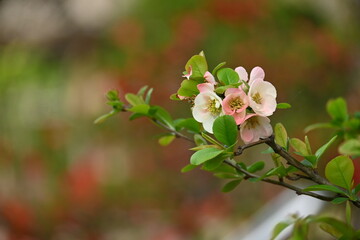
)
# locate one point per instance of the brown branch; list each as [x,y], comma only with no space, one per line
[298,191]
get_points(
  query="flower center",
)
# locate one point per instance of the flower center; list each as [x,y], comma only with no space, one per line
[257,98]
[214,107]
[251,123]
[236,104]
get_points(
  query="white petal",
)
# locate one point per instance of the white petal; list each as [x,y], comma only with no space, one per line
[200,114]
[242,73]
[208,124]
[256,72]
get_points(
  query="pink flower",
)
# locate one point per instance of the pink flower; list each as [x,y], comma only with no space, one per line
[262,97]
[235,104]
[207,106]
[254,128]
[209,78]
[256,72]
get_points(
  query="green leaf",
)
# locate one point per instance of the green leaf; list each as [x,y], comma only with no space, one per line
[258,166]
[350,147]
[337,109]
[136,116]
[299,146]
[134,99]
[199,66]
[280,227]
[204,155]
[200,147]
[112,95]
[225,130]
[214,163]
[228,76]
[166,140]
[220,65]
[162,115]
[339,200]
[281,137]
[356,189]
[222,89]
[188,88]
[189,124]
[308,147]
[337,228]
[148,95]
[283,106]
[105,116]
[279,171]
[231,185]
[140,108]
[323,148]
[211,140]
[199,140]
[188,168]
[175,97]
[324,188]
[226,175]
[317,126]
[340,171]
[142,91]
[312,159]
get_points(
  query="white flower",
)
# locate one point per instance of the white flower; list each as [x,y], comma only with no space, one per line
[262,97]
[207,106]
[256,72]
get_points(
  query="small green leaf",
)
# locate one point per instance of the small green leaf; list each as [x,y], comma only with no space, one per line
[308,147]
[213,163]
[337,109]
[134,99]
[312,159]
[204,155]
[226,175]
[105,116]
[324,188]
[225,130]
[340,171]
[140,108]
[339,200]
[317,126]
[278,171]
[166,140]
[162,115]
[323,148]
[231,185]
[188,88]
[199,66]
[142,91]
[350,147]
[188,168]
[283,106]
[281,137]
[148,95]
[222,89]
[228,76]
[175,97]
[280,227]
[220,65]
[258,166]
[200,147]
[199,140]
[112,95]
[189,124]
[299,146]
[211,140]
[356,189]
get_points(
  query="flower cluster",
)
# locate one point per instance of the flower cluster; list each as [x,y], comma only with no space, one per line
[250,100]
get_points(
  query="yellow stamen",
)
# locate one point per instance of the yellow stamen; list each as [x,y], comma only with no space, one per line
[257,98]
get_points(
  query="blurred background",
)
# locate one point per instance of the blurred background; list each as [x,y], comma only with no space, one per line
[62,177]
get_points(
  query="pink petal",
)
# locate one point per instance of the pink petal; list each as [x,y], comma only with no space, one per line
[246,134]
[256,72]
[210,78]
[205,87]
[239,117]
[232,90]
[242,73]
